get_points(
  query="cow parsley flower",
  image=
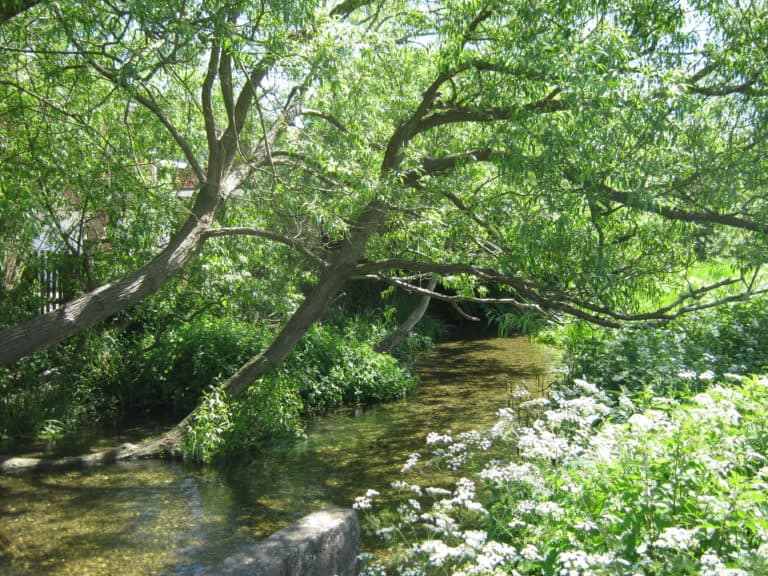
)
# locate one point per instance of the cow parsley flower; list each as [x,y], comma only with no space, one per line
[707,376]
[677,538]
[365,502]
[413,459]
[574,563]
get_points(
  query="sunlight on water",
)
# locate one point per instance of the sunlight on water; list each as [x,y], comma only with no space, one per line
[161,518]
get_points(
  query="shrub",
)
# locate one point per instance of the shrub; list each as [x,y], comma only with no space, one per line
[185,360]
[330,367]
[677,361]
[334,366]
[53,393]
[223,428]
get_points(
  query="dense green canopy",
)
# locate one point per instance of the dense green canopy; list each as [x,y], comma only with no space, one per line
[565,158]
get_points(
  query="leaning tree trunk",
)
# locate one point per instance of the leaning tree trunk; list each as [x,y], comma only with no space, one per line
[85,310]
[315,305]
[406,327]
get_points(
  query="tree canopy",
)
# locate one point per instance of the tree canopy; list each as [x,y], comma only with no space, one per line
[562,158]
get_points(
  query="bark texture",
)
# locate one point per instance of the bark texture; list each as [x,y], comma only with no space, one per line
[406,327]
[85,310]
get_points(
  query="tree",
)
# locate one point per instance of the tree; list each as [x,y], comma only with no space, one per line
[580,158]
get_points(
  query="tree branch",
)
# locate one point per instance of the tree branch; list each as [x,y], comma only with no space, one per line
[531,295]
[704,217]
[328,118]
[206,96]
[247,231]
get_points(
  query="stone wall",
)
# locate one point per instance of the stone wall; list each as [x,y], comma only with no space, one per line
[325,543]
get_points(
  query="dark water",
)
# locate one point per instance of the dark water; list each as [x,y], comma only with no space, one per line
[160,518]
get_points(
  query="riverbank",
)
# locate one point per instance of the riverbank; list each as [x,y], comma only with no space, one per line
[161,518]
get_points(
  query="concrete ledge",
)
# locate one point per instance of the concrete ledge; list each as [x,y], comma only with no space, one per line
[324,543]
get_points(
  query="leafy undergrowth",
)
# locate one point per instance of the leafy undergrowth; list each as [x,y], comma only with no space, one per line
[331,367]
[594,486]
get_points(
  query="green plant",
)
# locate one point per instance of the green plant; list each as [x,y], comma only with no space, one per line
[332,366]
[678,489]
[223,427]
[680,359]
[184,360]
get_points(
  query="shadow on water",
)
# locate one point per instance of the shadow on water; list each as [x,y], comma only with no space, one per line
[161,518]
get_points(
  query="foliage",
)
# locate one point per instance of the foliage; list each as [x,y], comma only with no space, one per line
[678,489]
[225,428]
[48,395]
[333,366]
[576,158]
[683,357]
[185,359]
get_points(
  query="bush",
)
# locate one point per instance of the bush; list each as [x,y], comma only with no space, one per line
[185,360]
[53,393]
[332,366]
[223,428]
[681,359]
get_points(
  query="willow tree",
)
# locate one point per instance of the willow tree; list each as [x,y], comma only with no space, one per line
[202,71]
[579,158]
[576,157]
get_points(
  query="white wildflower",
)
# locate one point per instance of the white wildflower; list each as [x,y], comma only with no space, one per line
[438,551]
[530,553]
[413,459]
[414,504]
[535,404]
[551,509]
[526,507]
[435,438]
[587,387]
[626,404]
[586,526]
[574,563]
[364,502]
[539,444]
[520,392]
[676,538]
[525,473]
[640,422]
[474,538]
[707,376]
[492,556]
[712,565]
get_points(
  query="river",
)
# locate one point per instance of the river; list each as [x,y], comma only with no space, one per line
[169,518]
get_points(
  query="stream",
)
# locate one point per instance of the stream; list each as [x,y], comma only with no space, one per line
[175,519]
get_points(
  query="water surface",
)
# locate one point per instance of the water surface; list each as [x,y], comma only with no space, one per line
[165,518]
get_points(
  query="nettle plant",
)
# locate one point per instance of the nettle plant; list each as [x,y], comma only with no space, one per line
[676,488]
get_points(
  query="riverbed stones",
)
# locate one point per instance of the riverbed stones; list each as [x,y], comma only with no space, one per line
[325,543]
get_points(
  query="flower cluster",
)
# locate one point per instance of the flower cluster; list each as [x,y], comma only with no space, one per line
[679,488]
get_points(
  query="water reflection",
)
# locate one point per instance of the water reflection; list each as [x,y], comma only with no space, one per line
[160,518]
